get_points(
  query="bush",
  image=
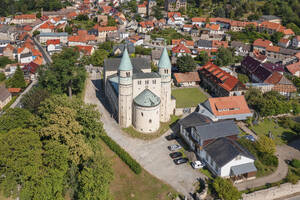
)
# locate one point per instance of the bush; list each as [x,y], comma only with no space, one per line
[133,164]
[292,178]
[268,159]
[295,163]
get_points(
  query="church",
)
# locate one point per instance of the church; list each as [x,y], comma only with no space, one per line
[137,96]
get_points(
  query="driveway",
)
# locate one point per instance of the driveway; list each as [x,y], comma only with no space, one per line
[153,155]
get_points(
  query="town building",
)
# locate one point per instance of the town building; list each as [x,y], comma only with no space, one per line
[175,5]
[186,79]
[63,37]
[5,97]
[137,96]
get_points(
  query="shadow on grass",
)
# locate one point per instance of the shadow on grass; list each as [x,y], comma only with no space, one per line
[288,136]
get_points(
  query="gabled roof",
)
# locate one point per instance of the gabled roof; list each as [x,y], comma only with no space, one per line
[194,119]
[14,90]
[231,105]
[147,99]
[180,48]
[250,64]
[262,43]
[293,68]
[186,77]
[54,42]
[224,150]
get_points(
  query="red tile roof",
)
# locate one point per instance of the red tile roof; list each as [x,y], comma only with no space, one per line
[107,28]
[47,25]
[27,28]
[198,19]
[171,14]
[262,43]
[54,41]
[274,78]
[217,44]
[273,49]
[183,41]
[232,105]
[272,25]
[180,48]
[28,16]
[187,77]
[214,27]
[293,68]
[86,49]
[14,90]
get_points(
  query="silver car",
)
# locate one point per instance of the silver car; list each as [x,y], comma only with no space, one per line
[174,147]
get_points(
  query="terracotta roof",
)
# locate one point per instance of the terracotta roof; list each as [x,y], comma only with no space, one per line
[288,32]
[183,41]
[231,105]
[36,52]
[284,88]
[284,40]
[272,25]
[54,41]
[293,68]
[107,28]
[262,43]
[297,37]
[86,49]
[38,60]
[180,48]
[217,44]
[31,67]
[28,16]
[47,25]
[187,77]
[222,78]
[273,49]
[14,90]
[214,27]
[198,19]
[145,24]
[171,14]
[27,28]
[274,78]
[9,46]
[106,9]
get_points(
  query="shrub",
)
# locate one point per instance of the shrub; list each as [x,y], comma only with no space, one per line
[292,178]
[225,189]
[133,164]
[295,163]
[268,159]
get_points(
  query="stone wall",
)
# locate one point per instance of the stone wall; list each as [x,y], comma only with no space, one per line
[273,192]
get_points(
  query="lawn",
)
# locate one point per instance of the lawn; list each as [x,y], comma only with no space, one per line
[164,127]
[127,185]
[281,135]
[188,97]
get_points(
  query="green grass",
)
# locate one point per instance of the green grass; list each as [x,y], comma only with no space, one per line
[281,135]
[13,99]
[149,136]
[206,172]
[128,185]
[188,97]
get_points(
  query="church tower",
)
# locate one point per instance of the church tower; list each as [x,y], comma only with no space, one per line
[164,67]
[125,91]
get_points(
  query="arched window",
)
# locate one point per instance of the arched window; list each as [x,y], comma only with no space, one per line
[142,114]
[150,121]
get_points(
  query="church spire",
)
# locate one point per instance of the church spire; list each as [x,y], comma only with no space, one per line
[164,61]
[125,64]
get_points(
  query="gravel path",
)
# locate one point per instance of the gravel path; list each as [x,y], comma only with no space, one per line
[152,155]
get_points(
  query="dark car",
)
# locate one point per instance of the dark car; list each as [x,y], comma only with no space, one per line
[181,161]
[175,155]
[172,137]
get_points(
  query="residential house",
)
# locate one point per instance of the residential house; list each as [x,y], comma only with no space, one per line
[63,37]
[226,158]
[30,71]
[296,41]
[142,8]
[272,52]
[294,69]
[8,51]
[175,5]
[135,40]
[187,43]
[53,46]
[24,19]
[26,58]
[285,43]
[102,19]
[261,44]
[86,49]
[82,38]
[14,91]
[5,97]
[187,27]
[211,44]
[118,49]
[240,48]
[199,21]
[46,27]
[175,18]
[253,68]
[220,108]
[214,29]
[103,31]
[186,79]
[270,27]
[237,26]
[145,26]
[180,50]
[281,84]
[219,82]
[4,43]
[132,25]
[263,87]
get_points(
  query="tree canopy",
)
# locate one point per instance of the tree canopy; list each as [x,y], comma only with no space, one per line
[17,81]
[224,57]
[225,189]
[186,63]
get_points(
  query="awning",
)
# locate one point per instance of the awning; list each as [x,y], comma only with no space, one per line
[243,169]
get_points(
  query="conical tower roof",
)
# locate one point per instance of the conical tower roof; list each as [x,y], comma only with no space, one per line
[164,61]
[125,64]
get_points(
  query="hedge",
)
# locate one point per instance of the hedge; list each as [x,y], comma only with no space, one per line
[133,164]
[295,163]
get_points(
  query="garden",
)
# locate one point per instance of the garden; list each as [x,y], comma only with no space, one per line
[188,97]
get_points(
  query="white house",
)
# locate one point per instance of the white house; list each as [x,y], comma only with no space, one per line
[26,58]
[296,41]
[63,37]
[226,158]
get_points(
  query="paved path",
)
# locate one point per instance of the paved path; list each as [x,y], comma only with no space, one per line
[244,128]
[46,56]
[17,102]
[152,155]
[278,175]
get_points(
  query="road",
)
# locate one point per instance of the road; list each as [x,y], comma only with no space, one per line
[153,155]
[46,56]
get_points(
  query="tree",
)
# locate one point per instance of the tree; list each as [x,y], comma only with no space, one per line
[143,51]
[38,15]
[243,78]
[266,145]
[35,33]
[186,64]
[111,21]
[32,100]
[82,17]
[67,79]
[294,27]
[2,76]
[4,61]
[276,37]
[17,118]
[225,189]
[157,12]
[108,46]
[20,161]
[202,58]
[224,57]
[98,57]
[17,81]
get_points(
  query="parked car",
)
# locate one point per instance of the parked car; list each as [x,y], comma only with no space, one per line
[174,147]
[197,164]
[181,161]
[250,137]
[175,155]
[172,137]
